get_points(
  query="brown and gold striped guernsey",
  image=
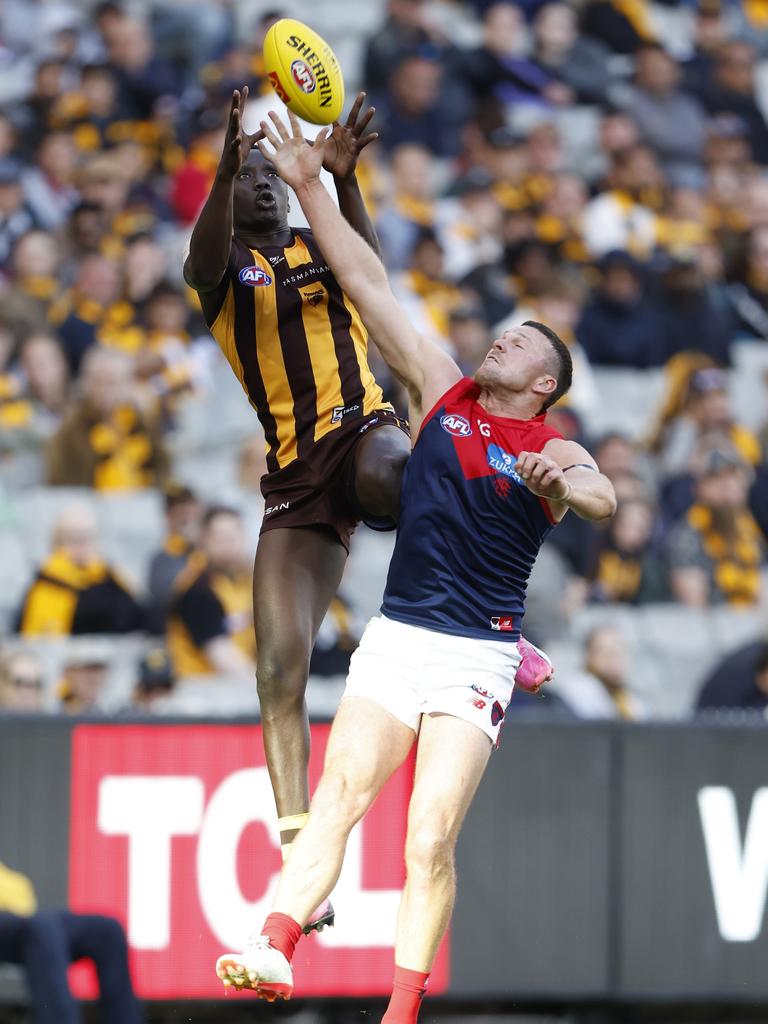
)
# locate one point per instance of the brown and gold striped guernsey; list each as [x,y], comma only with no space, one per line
[295,342]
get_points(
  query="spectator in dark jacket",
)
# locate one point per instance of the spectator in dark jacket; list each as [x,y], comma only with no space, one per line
[732,91]
[619,325]
[740,680]
[693,313]
[408,27]
[578,62]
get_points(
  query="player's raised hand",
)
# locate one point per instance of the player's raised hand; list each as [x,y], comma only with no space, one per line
[296,160]
[237,142]
[348,140]
[542,475]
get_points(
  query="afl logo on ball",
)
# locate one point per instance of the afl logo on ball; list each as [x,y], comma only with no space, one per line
[254,276]
[458,426]
[303,76]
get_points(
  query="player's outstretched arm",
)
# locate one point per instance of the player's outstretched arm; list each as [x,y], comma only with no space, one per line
[340,154]
[424,368]
[212,235]
[568,477]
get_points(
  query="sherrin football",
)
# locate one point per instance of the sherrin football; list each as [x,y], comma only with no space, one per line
[304,71]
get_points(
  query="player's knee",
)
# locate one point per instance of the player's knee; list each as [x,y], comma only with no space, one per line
[429,851]
[341,796]
[281,683]
[379,477]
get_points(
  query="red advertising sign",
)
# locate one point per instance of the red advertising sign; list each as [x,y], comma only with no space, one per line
[173,831]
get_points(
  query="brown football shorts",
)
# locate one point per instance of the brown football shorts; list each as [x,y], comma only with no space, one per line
[319,490]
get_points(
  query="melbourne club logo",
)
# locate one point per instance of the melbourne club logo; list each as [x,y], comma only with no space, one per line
[457,426]
[303,76]
[255,277]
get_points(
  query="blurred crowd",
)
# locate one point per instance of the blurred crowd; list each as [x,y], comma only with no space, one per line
[600,165]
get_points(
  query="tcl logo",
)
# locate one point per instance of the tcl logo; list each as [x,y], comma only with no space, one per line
[174,832]
[458,426]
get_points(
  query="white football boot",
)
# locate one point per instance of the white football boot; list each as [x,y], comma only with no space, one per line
[259,967]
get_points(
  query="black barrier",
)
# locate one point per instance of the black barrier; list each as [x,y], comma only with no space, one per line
[601,862]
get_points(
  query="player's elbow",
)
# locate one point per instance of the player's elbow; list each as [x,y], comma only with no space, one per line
[202,275]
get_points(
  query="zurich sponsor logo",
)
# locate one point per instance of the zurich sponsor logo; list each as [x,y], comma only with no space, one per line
[254,276]
[458,426]
[502,462]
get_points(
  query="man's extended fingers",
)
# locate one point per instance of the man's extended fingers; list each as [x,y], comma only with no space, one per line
[265,152]
[270,136]
[282,131]
[296,130]
[362,143]
[322,135]
[365,120]
[352,116]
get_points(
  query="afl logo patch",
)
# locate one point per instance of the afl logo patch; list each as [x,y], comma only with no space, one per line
[303,76]
[458,426]
[254,276]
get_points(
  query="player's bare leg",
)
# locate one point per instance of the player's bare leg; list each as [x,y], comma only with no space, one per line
[296,574]
[452,756]
[365,747]
[379,460]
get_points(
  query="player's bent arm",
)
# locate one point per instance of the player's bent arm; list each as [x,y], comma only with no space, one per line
[589,492]
[226,658]
[426,370]
[211,239]
[352,206]
[568,477]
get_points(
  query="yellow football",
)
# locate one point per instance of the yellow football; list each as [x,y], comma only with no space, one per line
[304,71]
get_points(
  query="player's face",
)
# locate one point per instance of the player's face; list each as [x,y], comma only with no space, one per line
[520,360]
[260,197]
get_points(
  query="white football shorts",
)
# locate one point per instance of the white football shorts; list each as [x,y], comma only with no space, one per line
[411,671]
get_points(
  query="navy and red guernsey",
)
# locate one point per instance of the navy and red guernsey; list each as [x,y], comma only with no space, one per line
[469,530]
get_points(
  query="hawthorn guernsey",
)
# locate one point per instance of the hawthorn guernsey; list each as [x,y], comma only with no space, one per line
[304,71]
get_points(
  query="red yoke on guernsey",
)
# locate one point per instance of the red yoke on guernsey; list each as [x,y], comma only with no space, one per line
[469,528]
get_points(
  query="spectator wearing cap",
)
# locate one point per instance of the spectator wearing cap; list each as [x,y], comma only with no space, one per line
[75,590]
[731,90]
[623,217]
[84,678]
[577,61]
[183,513]
[410,205]
[740,680]
[601,688]
[210,626]
[716,553]
[22,683]
[619,325]
[672,122]
[154,683]
[16,215]
[105,441]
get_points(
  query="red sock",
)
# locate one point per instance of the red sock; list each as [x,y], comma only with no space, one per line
[283,933]
[407,992]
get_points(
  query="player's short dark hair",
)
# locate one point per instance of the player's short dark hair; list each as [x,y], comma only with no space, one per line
[214,511]
[564,373]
